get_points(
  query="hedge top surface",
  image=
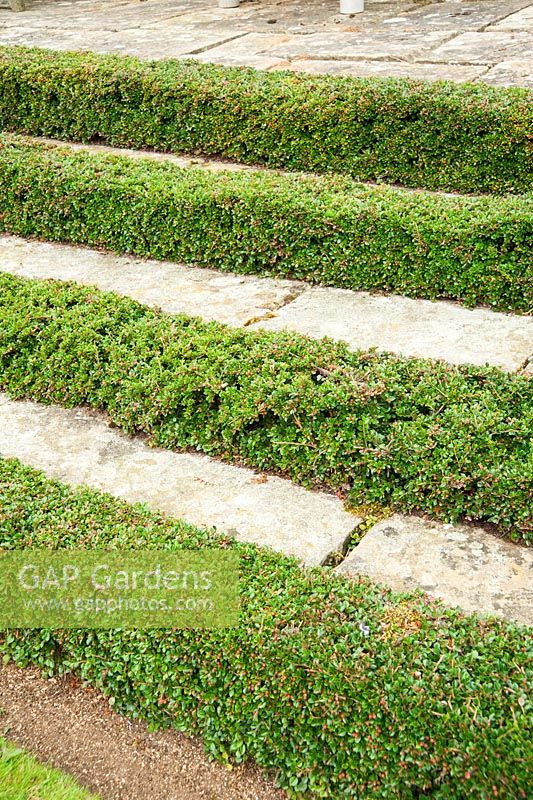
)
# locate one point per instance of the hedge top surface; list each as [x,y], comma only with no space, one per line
[467,138]
[345,689]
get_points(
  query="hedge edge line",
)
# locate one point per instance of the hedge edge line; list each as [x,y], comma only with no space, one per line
[407,433]
[343,688]
[324,230]
[457,137]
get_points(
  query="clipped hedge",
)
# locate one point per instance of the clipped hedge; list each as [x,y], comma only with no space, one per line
[414,434]
[343,688]
[324,230]
[466,138]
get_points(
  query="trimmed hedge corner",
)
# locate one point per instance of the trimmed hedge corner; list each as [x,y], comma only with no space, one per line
[413,434]
[325,230]
[467,138]
[342,688]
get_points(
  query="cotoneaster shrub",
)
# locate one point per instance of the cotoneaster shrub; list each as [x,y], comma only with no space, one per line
[437,135]
[324,230]
[430,703]
[410,433]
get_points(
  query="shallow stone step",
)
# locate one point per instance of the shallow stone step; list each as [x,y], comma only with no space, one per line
[78,447]
[400,325]
[175,288]
[409,327]
[463,566]
[184,161]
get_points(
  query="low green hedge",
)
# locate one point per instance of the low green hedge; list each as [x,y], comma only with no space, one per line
[343,688]
[324,230]
[414,434]
[447,136]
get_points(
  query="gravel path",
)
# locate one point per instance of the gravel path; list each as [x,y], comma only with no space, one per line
[74,729]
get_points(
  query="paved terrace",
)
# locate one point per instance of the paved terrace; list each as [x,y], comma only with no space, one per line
[474,40]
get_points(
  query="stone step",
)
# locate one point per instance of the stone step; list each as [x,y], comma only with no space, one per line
[463,566]
[401,325]
[78,447]
[183,161]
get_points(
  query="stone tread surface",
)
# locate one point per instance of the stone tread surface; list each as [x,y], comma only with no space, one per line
[401,325]
[463,566]
[78,447]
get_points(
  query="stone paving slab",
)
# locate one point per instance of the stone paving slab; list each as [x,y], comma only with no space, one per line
[521,21]
[463,566]
[409,327]
[386,44]
[78,447]
[487,47]
[457,15]
[147,43]
[390,323]
[177,289]
[183,161]
[248,49]
[97,15]
[515,72]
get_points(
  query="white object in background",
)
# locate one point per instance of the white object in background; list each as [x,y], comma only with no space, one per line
[352,6]
[228,3]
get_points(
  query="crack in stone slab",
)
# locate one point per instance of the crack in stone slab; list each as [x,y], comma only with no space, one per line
[462,565]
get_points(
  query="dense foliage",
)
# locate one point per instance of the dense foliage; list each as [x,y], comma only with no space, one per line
[437,135]
[341,687]
[322,229]
[410,433]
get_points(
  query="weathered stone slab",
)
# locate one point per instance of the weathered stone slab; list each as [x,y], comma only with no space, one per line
[392,31]
[457,15]
[463,566]
[166,41]
[387,69]
[365,44]
[177,289]
[487,47]
[106,15]
[247,46]
[520,21]
[409,327]
[78,447]
[225,59]
[250,50]
[515,72]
